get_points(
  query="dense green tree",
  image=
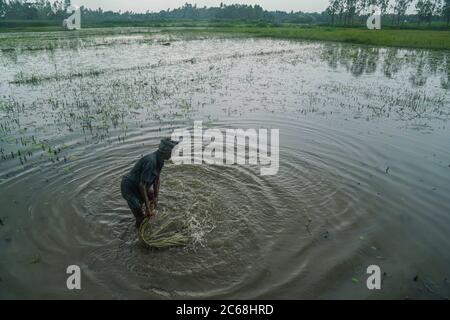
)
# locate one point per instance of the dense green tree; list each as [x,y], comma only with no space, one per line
[333,9]
[67,4]
[348,10]
[426,9]
[350,6]
[2,7]
[400,7]
[338,12]
[383,5]
[446,11]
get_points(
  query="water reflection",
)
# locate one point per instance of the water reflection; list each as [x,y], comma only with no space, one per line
[445,77]
[361,60]
[359,183]
[357,60]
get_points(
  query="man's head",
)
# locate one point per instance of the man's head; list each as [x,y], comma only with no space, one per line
[165,148]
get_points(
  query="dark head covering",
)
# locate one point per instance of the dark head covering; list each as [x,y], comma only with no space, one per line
[166,146]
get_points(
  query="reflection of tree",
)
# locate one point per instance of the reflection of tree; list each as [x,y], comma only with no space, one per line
[445,77]
[356,60]
[418,78]
[365,60]
[392,62]
[397,98]
[10,54]
[330,54]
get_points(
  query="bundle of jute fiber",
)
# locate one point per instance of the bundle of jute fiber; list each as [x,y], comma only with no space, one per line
[162,231]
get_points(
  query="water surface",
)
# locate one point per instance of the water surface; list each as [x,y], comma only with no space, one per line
[364,167]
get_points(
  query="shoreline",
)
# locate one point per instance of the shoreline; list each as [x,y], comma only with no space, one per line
[401,38]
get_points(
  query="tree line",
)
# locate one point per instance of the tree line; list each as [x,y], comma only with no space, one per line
[222,12]
[348,12]
[33,10]
[55,10]
[339,12]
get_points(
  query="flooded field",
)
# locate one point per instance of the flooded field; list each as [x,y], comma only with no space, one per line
[364,172]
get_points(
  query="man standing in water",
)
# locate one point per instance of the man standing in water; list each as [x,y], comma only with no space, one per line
[141,185]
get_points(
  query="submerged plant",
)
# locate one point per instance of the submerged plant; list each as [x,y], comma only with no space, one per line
[163,233]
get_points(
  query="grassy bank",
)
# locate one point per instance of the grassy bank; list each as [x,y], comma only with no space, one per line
[405,38]
[425,39]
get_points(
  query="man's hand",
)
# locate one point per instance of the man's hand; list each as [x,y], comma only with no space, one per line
[148,207]
[149,210]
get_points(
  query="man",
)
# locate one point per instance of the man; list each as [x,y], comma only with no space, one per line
[141,185]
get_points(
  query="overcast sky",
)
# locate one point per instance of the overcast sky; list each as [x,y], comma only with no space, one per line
[157,5]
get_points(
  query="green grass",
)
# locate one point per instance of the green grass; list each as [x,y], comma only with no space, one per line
[32,25]
[425,39]
[389,37]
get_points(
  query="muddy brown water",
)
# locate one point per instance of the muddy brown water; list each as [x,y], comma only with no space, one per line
[364,172]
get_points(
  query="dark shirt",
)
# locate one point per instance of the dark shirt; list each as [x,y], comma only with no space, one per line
[146,170]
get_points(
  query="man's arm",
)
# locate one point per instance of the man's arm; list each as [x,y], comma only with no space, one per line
[156,190]
[144,195]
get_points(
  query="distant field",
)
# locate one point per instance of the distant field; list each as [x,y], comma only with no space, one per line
[406,38]
[426,39]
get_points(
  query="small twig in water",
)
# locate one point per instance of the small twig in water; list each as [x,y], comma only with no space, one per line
[308,224]
[427,287]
